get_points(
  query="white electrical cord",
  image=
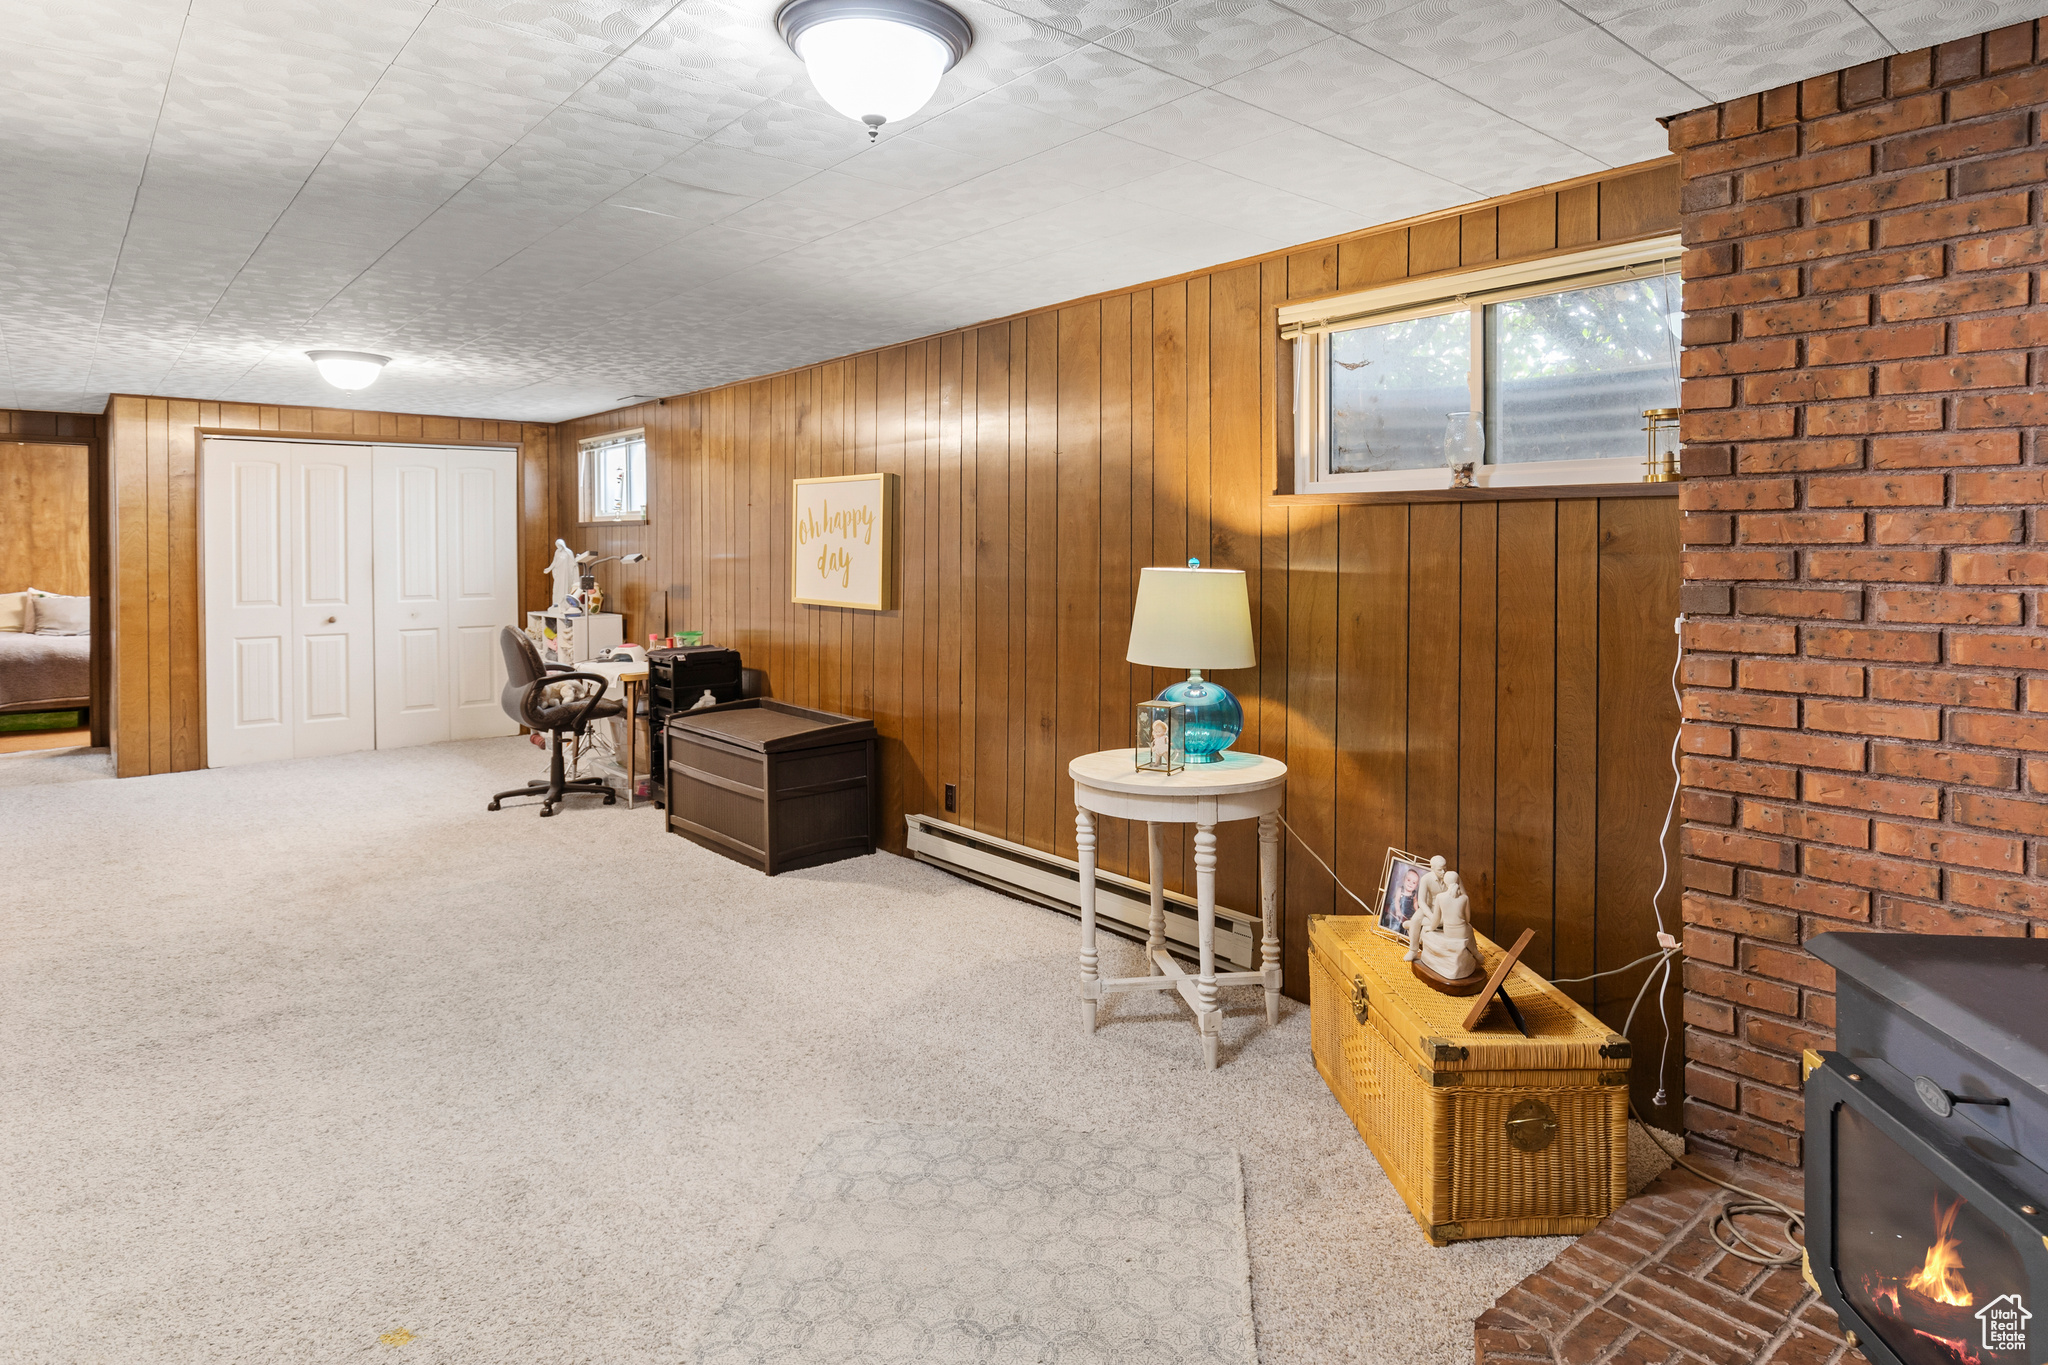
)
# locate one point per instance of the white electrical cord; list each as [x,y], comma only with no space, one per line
[1735,1242]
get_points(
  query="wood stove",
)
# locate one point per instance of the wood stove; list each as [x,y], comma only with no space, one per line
[1927,1148]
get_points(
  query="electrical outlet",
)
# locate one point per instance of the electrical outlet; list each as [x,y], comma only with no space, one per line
[952,799]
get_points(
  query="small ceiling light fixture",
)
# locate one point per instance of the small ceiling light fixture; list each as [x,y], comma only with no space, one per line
[349,369]
[875,60]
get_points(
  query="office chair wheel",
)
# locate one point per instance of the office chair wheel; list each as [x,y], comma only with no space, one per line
[493,805]
[546,810]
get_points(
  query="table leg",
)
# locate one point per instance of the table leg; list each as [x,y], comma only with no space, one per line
[1155,931]
[1205,902]
[632,733]
[1084,841]
[1269,897]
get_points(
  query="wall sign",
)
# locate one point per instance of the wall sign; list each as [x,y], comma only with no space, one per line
[843,541]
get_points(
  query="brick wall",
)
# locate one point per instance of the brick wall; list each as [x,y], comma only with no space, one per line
[1866,525]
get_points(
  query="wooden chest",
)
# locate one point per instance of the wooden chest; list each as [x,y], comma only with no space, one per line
[1486,1133]
[773,785]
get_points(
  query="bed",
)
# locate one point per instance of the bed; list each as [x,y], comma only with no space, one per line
[44,672]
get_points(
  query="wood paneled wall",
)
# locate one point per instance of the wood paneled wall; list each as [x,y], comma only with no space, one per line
[79,516]
[1481,678]
[158,684]
[45,517]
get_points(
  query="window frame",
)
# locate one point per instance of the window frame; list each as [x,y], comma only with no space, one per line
[1308,324]
[586,478]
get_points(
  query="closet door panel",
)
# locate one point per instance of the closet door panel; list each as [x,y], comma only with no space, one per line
[335,613]
[482,529]
[412,608]
[246,566]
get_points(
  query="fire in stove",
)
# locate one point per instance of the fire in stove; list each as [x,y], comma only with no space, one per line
[1933,1302]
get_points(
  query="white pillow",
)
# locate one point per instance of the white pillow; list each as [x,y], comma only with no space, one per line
[15,612]
[59,615]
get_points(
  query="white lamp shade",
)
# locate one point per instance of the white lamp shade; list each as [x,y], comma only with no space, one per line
[873,68]
[1192,618]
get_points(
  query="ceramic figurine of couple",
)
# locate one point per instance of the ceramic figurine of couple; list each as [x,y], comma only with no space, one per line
[1440,940]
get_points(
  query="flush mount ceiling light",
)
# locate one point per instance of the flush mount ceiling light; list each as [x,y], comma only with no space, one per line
[348,369]
[875,60]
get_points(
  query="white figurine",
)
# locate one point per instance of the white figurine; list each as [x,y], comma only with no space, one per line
[1426,892]
[1445,945]
[568,574]
[1159,735]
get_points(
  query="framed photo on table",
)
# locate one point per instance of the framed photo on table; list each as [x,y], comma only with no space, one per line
[843,541]
[1400,891]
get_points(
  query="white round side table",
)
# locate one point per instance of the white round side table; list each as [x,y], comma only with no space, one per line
[1240,787]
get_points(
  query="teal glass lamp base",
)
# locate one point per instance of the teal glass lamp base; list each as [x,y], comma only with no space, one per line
[1214,719]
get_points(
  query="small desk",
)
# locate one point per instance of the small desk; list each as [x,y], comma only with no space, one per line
[1240,787]
[631,680]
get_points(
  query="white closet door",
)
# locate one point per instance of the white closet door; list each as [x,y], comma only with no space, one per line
[482,530]
[247,564]
[412,597]
[334,649]
[447,550]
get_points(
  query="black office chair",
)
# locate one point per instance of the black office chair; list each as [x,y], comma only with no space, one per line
[528,699]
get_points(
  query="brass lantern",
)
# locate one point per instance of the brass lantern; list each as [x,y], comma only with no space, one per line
[1660,464]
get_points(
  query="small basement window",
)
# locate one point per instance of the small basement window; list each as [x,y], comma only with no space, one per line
[611,474]
[1536,373]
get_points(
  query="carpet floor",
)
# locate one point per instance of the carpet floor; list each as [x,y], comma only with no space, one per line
[319,1059]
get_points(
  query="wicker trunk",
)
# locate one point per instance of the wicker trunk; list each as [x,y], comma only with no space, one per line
[1486,1133]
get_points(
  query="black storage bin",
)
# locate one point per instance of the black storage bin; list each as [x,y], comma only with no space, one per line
[677,680]
[772,785]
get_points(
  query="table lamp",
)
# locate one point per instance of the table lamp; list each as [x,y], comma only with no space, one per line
[1196,618]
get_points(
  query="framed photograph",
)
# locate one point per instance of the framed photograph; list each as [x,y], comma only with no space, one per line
[843,541]
[1400,888]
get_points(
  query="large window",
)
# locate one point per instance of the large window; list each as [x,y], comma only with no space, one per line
[1534,373]
[611,474]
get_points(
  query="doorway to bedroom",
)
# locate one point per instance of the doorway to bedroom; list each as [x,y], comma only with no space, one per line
[52,585]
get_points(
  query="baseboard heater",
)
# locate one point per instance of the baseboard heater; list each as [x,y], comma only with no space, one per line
[1122,906]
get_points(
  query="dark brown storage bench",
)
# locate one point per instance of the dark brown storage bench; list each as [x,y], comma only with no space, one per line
[772,785]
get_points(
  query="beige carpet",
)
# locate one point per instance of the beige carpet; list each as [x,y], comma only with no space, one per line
[319,1060]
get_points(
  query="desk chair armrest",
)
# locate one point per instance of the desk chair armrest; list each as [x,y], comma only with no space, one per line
[568,674]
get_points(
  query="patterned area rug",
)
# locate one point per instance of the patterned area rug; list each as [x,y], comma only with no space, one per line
[904,1243]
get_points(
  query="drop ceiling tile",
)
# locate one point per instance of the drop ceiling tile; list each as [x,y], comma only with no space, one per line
[1007,45]
[61,108]
[608,25]
[792,132]
[416,122]
[662,100]
[145,35]
[1711,44]
[1439,37]
[1910,24]
[996,133]
[729,170]
[1525,87]
[823,204]
[1329,170]
[1216,197]
[684,203]
[733,45]
[903,160]
[376,28]
[458,46]
[1453,136]
[1322,79]
[1200,124]
[1207,41]
[1092,86]
[1091,19]
[583,135]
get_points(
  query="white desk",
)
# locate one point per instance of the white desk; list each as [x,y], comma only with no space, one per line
[1241,787]
[629,680]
